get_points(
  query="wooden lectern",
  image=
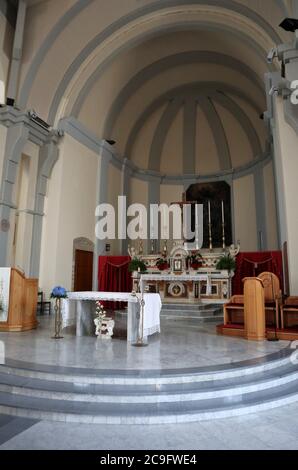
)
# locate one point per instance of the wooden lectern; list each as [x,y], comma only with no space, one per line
[254,309]
[18,301]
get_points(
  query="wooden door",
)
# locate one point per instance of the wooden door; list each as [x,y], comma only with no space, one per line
[83,271]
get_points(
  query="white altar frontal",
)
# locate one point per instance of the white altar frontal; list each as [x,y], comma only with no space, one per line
[181,283]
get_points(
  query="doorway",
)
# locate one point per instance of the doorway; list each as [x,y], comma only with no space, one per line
[83,271]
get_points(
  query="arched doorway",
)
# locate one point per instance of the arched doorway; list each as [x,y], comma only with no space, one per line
[82,264]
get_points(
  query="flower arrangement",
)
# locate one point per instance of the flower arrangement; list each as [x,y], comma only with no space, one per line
[59,293]
[194,260]
[137,265]
[226,262]
[104,325]
[162,263]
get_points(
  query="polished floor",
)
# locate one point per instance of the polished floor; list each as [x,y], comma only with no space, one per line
[274,430]
[181,344]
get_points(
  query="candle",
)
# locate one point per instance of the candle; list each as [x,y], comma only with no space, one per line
[222,212]
[209,213]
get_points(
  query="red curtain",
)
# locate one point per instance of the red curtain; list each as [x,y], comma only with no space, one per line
[113,276]
[251,264]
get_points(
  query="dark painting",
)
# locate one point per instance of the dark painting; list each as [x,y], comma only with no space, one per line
[215,192]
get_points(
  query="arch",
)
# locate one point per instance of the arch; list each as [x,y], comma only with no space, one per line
[152,8]
[161,132]
[161,65]
[217,129]
[164,28]
[210,89]
[243,119]
[51,37]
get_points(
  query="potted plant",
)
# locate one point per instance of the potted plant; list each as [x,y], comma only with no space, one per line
[162,264]
[226,263]
[194,260]
[136,265]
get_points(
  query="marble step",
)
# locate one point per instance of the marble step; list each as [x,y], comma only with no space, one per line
[148,377]
[198,319]
[191,313]
[148,413]
[198,307]
[38,388]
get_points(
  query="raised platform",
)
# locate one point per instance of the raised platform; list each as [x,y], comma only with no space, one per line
[187,373]
[147,397]
[286,334]
[202,312]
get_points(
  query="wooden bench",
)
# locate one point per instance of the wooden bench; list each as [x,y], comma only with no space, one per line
[289,312]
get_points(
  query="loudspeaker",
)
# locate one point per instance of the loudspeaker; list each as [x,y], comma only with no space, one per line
[289,24]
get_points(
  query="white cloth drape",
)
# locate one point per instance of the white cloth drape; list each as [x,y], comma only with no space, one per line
[152,310]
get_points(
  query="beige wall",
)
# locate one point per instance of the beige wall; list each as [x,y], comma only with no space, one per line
[245,213]
[287,167]
[24,196]
[69,211]
[270,203]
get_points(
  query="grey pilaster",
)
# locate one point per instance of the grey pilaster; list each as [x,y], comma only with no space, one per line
[102,198]
[260,207]
[17,51]
[125,191]
[48,156]
[16,139]
[153,198]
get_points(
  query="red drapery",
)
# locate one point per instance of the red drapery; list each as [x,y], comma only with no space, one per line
[113,276]
[251,264]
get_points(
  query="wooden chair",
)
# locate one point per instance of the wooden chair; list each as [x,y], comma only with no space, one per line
[272,294]
[289,311]
[44,306]
[234,310]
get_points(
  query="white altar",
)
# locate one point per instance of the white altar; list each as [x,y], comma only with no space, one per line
[208,286]
[78,309]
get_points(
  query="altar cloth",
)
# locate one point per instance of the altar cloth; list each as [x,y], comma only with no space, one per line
[79,309]
[152,310]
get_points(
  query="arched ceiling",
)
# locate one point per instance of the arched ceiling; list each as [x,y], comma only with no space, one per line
[149,69]
[59,43]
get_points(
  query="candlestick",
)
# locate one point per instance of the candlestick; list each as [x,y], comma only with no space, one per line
[222,212]
[223,225]
[223,237]
[209,213]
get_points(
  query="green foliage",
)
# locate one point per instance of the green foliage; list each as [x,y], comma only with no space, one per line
[226,262]
[135,264]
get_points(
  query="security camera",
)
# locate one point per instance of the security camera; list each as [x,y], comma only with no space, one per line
[271,55]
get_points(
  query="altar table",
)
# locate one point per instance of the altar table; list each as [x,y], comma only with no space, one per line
[79,309]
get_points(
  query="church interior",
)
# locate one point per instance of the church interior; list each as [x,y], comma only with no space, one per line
[192,103]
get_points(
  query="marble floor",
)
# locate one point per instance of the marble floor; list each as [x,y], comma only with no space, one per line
[274,430]
[181,344]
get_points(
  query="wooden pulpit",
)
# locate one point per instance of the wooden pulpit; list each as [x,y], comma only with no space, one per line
[18,301]
[254,309]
